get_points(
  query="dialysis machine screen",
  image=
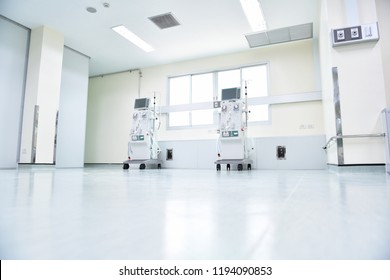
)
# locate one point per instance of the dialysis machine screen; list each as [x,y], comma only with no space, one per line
[230,93]
[141,103]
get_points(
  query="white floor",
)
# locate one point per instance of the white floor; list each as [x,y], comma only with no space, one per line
[104,212]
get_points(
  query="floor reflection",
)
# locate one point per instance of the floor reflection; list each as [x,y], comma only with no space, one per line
[107,213]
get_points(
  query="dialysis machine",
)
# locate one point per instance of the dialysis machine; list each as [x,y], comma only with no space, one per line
[232,145]
[143,147]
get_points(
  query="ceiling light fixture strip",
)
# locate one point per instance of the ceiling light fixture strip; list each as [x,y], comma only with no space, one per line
[254,13]
[133,38]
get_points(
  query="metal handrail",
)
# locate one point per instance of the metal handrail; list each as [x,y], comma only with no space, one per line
[333,138]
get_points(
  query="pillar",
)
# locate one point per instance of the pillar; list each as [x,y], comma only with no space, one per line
[359,96]
[42,94]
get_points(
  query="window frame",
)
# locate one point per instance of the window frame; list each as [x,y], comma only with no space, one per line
[252,101]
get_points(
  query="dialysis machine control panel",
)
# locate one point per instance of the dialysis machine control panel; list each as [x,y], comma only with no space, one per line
[231,122]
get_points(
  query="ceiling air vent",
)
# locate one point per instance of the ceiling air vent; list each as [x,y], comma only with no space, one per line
[281,35]
[165,20]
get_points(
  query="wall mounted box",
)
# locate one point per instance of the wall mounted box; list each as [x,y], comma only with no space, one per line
[280,152]
[355,34]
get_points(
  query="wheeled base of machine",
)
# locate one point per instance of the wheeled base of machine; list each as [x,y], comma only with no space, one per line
[143,163]
[241,164]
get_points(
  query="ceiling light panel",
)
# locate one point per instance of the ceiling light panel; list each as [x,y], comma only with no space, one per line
[254,14]
[165,21]
[130,36]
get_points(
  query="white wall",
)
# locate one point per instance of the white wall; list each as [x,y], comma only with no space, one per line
[72,110]
[361,84]
[383,11]
[302,152]
[13,61]
[111,98]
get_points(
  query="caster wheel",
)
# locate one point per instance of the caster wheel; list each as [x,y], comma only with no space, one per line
[142,166]
[159,166]
[126,166]
[239,167]
[218,167]
[249,167]
[228,167]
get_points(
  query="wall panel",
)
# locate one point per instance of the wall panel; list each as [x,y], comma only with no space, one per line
[13,59]
[72,110]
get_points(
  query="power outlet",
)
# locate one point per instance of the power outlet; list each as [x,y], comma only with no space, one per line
[355,33]
[307,126]
[340,35]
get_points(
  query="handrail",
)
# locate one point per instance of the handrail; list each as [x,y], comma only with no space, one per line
[333,138]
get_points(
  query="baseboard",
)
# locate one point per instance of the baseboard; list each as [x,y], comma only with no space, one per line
[370,168]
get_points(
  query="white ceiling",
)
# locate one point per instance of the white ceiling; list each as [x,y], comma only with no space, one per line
[208,27]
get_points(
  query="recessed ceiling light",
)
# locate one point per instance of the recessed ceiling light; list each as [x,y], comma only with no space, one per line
[130,36]
[91,10]
[254,14]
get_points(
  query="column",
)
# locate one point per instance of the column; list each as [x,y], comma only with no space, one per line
[361,84]
[42,96]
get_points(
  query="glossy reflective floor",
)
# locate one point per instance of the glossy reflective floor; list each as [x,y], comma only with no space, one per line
[104,212]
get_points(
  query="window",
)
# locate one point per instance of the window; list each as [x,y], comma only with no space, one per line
[179,90]
[194,94]
[228,79]
[202,88]
[255,78]
[256,81]
[179,93]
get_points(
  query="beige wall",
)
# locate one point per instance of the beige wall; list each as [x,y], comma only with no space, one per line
[292,70]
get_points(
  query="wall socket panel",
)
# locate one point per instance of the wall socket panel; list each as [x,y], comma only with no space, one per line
[355,34]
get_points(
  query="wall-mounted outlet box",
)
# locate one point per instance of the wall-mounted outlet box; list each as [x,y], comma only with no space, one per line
[169,154]
[355,34]
[280,152]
